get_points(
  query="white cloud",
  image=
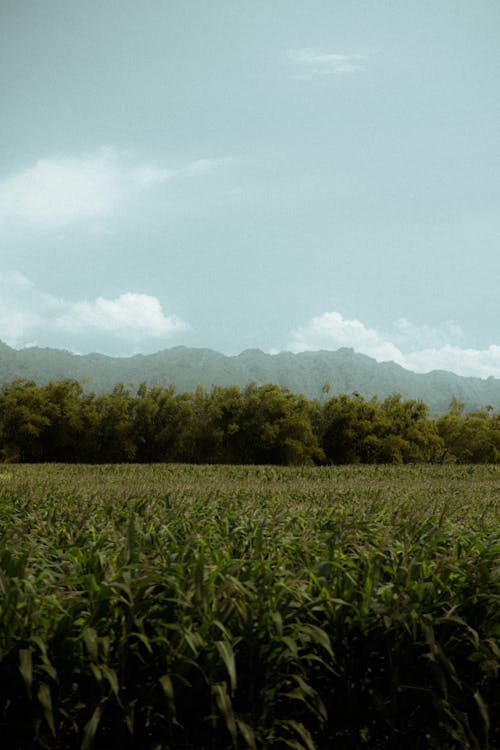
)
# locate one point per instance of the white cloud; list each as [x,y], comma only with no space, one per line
[30,315]
[315,63]
[424,336]
[130,315]
[417,348]
[58,191]
[479,363]
[331,331]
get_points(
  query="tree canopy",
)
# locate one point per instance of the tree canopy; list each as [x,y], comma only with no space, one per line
[255,425]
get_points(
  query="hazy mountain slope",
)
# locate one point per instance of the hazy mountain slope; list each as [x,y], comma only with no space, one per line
[344,370]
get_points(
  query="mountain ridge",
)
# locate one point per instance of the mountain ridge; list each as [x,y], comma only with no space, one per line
[344,370]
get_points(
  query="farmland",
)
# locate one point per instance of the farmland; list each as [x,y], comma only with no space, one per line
[184,607]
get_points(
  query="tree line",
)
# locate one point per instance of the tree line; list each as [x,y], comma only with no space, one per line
[265,424]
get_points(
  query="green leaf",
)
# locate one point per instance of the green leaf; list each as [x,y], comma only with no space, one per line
[90,730]
[248,734]
[226,651]
[226,707]
[45,699]
[26,667]
[483,710]
[111,677]
[303,733]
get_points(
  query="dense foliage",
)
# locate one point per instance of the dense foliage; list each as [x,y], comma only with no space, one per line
[191,608]
[257,425]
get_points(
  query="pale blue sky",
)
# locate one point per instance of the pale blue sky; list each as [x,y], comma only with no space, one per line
[281,175]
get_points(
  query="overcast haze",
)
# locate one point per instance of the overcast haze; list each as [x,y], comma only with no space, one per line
[273,175]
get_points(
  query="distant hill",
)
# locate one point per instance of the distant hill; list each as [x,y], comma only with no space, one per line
[344,370]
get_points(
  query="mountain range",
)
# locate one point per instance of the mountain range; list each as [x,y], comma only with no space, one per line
[343,370]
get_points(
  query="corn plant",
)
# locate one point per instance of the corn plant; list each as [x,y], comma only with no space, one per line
[235,608]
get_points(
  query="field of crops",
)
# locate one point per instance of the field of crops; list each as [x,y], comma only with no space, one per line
[209,608]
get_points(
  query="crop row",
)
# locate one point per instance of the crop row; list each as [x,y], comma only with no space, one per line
[211,619]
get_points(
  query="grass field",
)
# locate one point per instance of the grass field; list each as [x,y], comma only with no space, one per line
[202,607]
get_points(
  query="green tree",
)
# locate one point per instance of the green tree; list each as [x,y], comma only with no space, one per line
[162,424]
[348,435]
[276,428]
[406,434]
[355,430]
[472,437]
[115,439]
[24,416]
[225,407]
[64,438]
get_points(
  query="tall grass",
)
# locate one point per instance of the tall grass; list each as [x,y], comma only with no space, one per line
[204,608]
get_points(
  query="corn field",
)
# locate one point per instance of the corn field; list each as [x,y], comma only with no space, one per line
[175,607]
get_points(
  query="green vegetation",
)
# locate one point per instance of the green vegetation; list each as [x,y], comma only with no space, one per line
[257,425]
[207,607]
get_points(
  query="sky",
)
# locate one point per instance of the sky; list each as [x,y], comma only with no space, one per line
[282,175]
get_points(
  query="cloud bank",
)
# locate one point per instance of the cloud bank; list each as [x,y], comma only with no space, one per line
[417,348]
[134,322]
[30,316]
[59,191]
